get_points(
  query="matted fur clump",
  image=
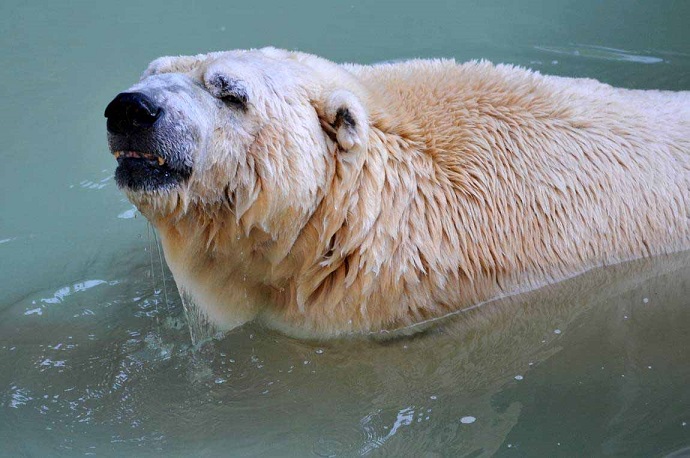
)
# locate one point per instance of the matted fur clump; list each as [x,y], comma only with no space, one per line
[327,199]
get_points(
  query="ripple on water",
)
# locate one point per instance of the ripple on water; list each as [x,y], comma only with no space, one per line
[128,214]
[339,439]
[601,52]
[64,292]
[17,397]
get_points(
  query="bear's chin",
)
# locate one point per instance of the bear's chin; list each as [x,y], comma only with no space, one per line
[148,174]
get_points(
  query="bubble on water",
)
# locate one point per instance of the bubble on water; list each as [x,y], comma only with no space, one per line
[468,420]
[319,351]
[645,300]
[518,377]
[556,331]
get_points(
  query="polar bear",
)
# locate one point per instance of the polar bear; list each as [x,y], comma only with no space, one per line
[325,199]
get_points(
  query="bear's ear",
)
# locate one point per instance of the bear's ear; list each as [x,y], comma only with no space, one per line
[344,120]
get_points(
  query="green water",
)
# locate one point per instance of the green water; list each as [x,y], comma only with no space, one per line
[93,360]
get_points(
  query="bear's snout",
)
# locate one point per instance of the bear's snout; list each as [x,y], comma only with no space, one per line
[130,112]
[153,151]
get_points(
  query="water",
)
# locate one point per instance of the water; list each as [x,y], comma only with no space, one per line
[96,361]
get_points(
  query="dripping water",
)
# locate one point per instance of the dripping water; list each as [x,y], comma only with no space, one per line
[200,329]
[153,279]
[160,263]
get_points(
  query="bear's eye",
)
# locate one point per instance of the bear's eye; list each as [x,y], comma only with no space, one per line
[238,99]
[229,90]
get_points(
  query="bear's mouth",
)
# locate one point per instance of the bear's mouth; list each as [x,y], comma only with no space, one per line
[122,155]
[144,171]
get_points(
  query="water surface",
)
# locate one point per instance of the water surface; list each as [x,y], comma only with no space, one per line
[95,360]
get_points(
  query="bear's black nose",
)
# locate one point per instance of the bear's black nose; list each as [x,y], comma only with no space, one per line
[130,112]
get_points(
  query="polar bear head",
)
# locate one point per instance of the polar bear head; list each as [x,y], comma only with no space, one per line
[259,128]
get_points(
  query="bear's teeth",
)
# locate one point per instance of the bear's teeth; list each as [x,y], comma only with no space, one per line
[161,161]
[117,154]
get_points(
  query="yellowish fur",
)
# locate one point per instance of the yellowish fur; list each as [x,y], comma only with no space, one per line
[457,183]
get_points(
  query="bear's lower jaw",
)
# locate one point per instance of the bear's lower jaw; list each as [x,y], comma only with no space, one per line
[147,172]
